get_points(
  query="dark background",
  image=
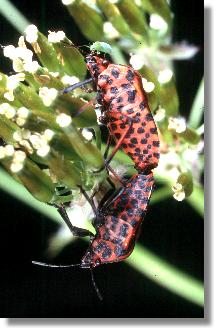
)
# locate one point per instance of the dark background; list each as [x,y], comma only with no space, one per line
[173,231]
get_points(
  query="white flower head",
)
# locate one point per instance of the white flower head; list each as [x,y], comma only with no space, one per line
[48,134]
[177,124]
[19,156]
[67,2]
[48,95]
[160,114]
[158,23]
[110,31]
[69,80]
[148,85]
[18,65]
[16,167]
[2,152]
[31,33]
[165,76]
[9,150]
[87,134]
[23,112]
[137,61]
[55,37]
[43,151]
[9,51]
[13,81]
[63,120]
[179,193]
[31,67]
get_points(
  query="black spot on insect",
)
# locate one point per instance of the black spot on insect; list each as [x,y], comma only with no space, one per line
[124,145]
[119,251]
[140,130]
[137,150]
[131,145]
[104,76]
[145,151]
[130,75]
[119,99]
[153,130]
[119,107]
[138,114]
[113,127]
[133,223]
[100,246]
[106,253]
[156,155]
[142,105]
[134,140]
[136,120]
[122,126]
[143,141]
[114,90]
[110,81]
[130,111]
[131,95]
[149,146]
[147,135]
[117,135]
[106,236]
[143,124]
[126,86]
[134,202]
[147,189]
[123,230]
[115,73]
[148,117]
[156,143]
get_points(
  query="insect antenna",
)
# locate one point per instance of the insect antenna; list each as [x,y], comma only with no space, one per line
[43,264]
[95,285]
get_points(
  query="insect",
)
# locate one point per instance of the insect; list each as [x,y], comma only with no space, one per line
[117,222]
[124,108]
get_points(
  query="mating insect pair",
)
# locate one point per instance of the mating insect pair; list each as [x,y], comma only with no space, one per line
[126,113]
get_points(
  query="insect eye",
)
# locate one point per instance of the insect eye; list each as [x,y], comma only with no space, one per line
[105,62]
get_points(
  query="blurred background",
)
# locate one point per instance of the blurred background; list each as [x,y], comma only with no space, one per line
[173,231]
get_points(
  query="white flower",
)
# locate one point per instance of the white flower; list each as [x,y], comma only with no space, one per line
[9,150]
[16,167]
[31,33]
[23,112]
[69,80]
[63,120]
[179,193]
[18,65]
[67,2]
[160,114]
[177,124]
[158,23]
[43,151]
[19,156]
[87,134]
[10,113]
[31,67]
[9,96]
[148,85]
[165,76]
[9,51]
[110,31]
[4,107]
[13,80]
[20,121]
[137,61]
[2,152]
[48,95]
[55,37]
[48,134]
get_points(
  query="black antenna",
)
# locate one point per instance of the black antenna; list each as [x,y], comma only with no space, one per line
[95,285]
[43,264]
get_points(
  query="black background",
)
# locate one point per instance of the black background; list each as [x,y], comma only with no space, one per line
[171,230]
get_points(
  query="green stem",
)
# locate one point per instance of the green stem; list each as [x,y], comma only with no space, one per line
[197,107]
[166,275]
[13,15]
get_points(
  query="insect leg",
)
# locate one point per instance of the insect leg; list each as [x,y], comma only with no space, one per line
[76,231]
[74,86]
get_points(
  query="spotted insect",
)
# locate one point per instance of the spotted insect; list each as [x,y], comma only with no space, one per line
[124,107]
[117,223]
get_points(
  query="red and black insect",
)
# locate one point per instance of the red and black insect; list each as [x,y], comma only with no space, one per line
[126,113]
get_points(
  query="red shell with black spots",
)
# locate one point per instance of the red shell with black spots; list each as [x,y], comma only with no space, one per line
[116,234]
[125,110]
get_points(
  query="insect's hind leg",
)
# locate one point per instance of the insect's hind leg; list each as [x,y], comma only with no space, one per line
[76,231]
